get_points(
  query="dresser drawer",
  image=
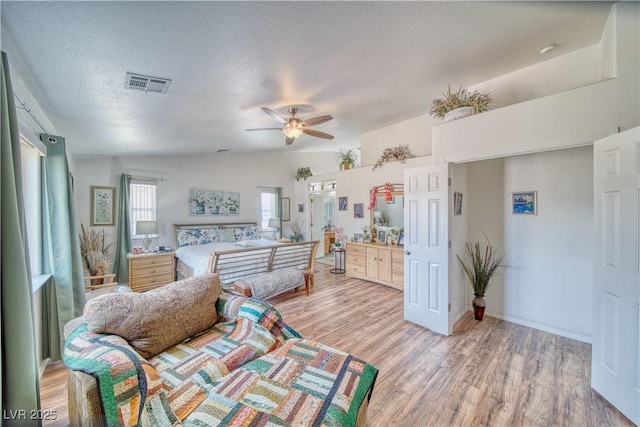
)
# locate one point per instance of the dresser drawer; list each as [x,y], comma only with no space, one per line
[150,270]
[356,259]
[151,261]
[356,269]
[397,256]
[356,249]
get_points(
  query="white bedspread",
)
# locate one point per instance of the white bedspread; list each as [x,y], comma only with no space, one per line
[197,256]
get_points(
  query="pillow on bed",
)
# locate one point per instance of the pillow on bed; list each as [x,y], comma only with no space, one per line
[196,236]
[247,233]
[226,235]
[158,319]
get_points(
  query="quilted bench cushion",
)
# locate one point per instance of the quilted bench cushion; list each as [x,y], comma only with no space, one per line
[268,285]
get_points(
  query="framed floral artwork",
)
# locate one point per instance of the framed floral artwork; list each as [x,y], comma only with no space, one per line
[207,202]
[285,209]
[103,205]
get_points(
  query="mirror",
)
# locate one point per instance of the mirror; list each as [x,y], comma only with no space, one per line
[388,214]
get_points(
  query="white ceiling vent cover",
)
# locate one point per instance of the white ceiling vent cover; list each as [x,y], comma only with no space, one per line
[146,83]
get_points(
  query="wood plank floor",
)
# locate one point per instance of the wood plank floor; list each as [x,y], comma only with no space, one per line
[489,373]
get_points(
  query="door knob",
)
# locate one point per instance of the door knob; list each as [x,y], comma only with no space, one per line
[407,252]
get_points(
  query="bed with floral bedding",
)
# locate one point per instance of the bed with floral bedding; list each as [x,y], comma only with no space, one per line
[195,243]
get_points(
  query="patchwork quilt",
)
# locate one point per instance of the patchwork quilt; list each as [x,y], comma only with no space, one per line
[250,369]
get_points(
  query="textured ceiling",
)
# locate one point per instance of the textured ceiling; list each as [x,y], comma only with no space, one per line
[369,64]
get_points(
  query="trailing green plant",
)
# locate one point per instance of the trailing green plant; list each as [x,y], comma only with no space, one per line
[95,254]
[481,266]
[347,157]
[303,173]
[478,101]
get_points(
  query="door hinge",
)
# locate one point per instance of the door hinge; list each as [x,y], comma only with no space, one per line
[449,244]
[449,182]
[449,307]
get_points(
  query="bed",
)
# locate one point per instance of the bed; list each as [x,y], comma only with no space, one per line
[239,251]
[195,243]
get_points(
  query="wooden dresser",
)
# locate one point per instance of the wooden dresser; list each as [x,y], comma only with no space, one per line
[150,270]
[377,263]
[329,238]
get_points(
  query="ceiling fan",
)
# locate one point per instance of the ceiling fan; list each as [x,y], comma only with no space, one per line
[294,127]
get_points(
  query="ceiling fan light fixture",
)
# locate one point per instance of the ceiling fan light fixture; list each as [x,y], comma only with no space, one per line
[291,132]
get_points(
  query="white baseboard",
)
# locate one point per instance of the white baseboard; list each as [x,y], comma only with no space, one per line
[578,336]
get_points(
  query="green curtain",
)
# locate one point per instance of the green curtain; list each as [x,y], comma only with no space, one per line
[123,233]
[19,364]
[64,295]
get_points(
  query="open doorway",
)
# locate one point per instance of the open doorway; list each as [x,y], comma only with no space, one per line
[322,215]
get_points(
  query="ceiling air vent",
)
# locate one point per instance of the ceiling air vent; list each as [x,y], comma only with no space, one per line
[146,83]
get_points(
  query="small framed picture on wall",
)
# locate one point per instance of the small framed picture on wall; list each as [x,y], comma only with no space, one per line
[301,208]
[358,210]
[343,204]
[524,203]
[285,209]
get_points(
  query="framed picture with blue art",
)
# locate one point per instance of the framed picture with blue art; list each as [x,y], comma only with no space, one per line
[208,202]
[524,203]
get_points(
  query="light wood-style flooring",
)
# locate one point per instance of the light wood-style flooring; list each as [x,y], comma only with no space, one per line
[488,373]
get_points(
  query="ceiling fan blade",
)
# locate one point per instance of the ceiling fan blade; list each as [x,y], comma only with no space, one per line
[289,141]
[317,133]
[317,120]
[264,129]
[275,115]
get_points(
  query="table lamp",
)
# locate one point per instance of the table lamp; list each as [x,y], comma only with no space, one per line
[275,224]
[145,228]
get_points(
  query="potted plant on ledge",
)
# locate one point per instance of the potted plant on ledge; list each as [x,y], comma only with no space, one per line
[480,267]
[303,173]
[347,159]
[455,105]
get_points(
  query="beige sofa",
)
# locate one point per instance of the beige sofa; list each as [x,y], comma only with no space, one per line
[189,354]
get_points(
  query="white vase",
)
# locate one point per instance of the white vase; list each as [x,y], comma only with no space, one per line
[458,113]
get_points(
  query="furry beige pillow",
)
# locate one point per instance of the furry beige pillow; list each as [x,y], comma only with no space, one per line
[158,319]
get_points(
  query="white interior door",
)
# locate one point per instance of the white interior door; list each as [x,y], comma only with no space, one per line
[615,356]
[426,243]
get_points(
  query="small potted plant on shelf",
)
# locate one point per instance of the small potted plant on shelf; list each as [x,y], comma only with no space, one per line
[480,267]
[347,159]
[454,105]
[303,173]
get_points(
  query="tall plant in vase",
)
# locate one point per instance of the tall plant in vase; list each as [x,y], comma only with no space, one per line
[96,255]
[481,265]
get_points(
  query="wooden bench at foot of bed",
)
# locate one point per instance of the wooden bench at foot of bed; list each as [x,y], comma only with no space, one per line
[235,264]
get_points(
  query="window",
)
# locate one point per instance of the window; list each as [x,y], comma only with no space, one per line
[142,200]
[31,190]
[267,206]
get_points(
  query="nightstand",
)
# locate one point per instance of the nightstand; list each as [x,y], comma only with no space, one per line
[150,270]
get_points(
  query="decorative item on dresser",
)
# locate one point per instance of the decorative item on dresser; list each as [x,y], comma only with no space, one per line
[376,262]
[146,229]
[150,270]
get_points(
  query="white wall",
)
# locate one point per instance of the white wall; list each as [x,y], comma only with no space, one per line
[573,117]
[242,173]
[415,132]
[459,291]
[548,284]
[355,184]
[485,182]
